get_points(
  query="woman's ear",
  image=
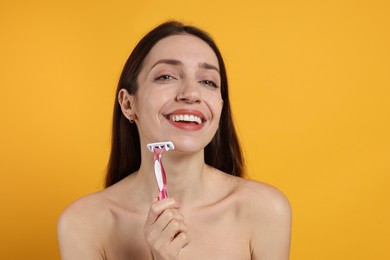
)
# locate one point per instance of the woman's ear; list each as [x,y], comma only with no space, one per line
[126,102]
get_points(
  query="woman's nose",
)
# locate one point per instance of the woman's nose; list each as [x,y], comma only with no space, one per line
[188,92]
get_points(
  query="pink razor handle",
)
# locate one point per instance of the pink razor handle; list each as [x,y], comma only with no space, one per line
[159,170]
[158,149]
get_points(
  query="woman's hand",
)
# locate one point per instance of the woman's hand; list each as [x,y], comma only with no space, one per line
[165,231]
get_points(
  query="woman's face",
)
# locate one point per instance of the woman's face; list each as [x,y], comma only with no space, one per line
[179,95]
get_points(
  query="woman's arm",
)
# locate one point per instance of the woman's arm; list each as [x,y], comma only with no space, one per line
[271,226]
[79,232]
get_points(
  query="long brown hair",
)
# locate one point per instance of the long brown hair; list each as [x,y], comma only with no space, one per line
[223,152]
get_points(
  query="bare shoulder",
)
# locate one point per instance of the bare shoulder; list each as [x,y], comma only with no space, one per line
[264,198]
[257,197]
[82,228]
[268,214]
[84,210]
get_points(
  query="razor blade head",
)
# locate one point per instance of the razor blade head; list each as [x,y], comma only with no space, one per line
[161,145]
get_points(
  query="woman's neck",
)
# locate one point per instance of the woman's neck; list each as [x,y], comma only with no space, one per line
[184,173]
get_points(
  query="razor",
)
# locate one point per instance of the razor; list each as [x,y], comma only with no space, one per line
[159,172]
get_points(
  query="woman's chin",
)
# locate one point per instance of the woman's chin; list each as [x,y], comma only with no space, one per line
[188,147]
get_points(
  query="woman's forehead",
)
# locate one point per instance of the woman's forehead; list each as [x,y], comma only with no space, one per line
[184,48]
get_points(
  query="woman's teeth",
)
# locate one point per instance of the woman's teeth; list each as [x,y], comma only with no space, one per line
[186,118]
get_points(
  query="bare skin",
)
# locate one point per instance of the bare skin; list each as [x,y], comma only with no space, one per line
[238,219]
[209,214]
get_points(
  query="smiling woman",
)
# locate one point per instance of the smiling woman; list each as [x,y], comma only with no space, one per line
[174,88]
[177,88]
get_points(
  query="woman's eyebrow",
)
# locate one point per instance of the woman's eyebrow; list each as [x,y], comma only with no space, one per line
[167,61]
[208,66]
[203,65]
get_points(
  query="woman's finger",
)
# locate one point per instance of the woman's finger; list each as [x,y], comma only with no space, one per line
[154,231]
[158,207]
[180,241]
[172,229]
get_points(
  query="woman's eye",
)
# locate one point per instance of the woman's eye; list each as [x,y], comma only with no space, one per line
[164,77]
[209,83]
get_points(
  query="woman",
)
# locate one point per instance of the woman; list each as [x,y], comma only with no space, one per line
[174,88]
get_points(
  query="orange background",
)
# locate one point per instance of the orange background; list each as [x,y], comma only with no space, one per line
[310,89]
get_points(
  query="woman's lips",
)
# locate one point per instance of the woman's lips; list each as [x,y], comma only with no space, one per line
[186,119]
